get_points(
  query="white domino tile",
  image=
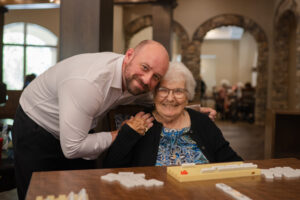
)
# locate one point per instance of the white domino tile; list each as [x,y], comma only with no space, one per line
[71,196]
[229,167]
[185,165]
[232,192]
[82,195]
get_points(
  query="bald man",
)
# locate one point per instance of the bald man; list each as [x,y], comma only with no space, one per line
[60,106]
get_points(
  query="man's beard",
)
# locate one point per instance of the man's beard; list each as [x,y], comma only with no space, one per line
[136,90]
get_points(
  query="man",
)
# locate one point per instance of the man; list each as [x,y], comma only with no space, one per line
[59,107]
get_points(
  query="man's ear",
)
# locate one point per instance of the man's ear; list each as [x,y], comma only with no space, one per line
[129,55]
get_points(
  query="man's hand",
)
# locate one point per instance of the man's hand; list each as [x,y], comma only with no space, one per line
[141,122]
[212,114]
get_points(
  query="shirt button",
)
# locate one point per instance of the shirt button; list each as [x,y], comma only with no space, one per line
[191,131]
[203,147]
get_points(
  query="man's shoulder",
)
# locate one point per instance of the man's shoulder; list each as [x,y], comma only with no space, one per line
[106,55]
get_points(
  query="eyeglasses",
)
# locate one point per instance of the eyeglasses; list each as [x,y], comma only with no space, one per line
[178,93]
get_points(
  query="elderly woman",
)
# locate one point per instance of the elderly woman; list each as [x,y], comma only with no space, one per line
[177,134]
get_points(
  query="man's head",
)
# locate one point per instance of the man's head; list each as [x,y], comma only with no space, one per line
[144,66]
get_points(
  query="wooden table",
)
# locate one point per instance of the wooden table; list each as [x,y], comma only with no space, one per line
[62,182]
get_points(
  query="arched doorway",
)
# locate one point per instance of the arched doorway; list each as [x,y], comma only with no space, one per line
[257,32]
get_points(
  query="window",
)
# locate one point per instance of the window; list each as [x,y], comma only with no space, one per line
[27,48]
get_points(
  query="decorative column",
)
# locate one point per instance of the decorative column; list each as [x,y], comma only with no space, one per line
[162,16]
[85,27]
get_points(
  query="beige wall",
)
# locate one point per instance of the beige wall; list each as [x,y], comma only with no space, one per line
[246,58]
[226,61]
[48,18]
[118,37]
[208,74]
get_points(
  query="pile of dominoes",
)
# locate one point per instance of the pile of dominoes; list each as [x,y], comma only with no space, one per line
[130,179]
[280,172]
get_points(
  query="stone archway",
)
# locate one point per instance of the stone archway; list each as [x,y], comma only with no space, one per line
[145,21]
[286,21]
[192,53]
[280,78]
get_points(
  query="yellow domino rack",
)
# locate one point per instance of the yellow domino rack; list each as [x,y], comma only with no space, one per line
[193,173]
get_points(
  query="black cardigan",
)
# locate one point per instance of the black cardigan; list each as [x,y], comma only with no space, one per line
[131,150]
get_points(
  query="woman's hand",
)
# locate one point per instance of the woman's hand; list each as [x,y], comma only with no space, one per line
[141,122]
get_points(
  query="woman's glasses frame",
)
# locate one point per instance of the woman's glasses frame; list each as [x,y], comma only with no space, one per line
[178,93]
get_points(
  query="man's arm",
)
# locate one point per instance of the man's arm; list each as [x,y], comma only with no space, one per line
[79,102]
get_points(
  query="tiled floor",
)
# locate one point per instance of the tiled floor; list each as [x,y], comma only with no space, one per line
[9,195]
[246,139]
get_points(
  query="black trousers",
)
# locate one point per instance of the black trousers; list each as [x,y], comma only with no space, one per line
[35,149]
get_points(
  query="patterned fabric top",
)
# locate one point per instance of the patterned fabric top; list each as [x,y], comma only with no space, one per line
[177,147]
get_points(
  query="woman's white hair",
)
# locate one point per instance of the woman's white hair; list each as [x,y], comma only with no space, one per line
[178,71]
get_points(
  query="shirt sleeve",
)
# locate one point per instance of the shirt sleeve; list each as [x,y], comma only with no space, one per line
[79,102]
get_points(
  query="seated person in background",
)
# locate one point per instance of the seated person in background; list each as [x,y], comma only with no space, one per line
[176,135]
[248,102]
[2,93]
[28,79]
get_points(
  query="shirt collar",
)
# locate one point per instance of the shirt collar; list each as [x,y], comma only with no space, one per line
[117,78]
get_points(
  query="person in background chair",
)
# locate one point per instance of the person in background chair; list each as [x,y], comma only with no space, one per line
[177,135]
[28,79]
